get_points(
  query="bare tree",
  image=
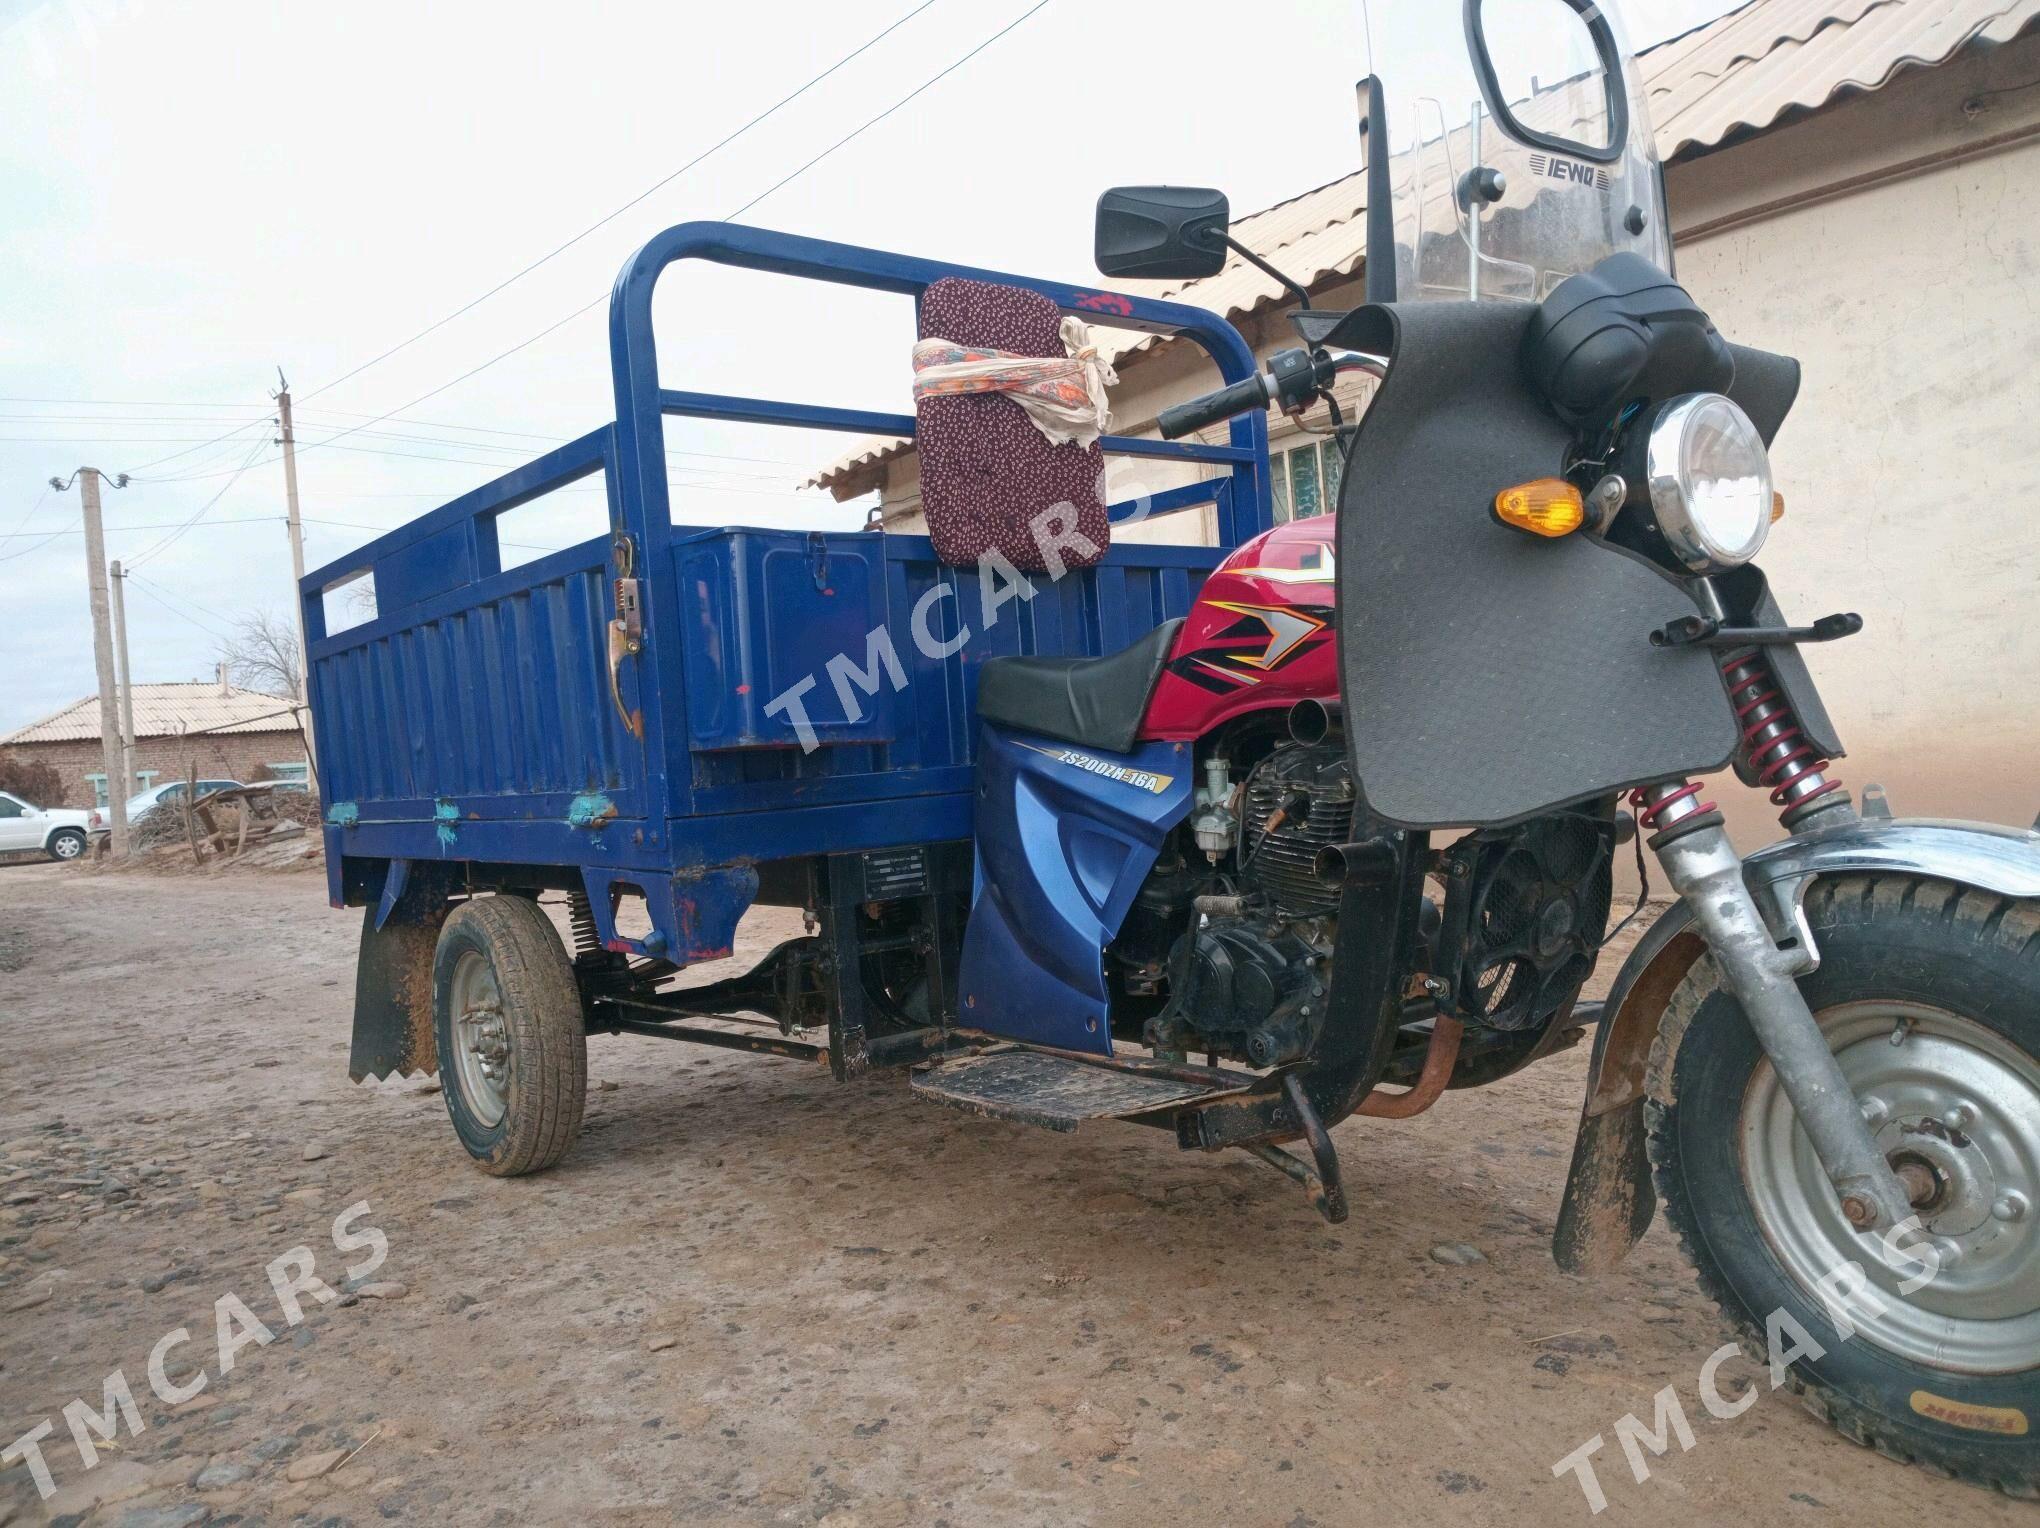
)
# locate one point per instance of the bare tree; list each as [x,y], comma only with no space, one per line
[263,654]
[35,781]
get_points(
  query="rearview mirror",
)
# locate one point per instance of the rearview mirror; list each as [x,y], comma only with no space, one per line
[1161,231]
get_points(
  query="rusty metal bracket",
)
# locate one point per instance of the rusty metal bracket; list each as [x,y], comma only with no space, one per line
[1319,1176]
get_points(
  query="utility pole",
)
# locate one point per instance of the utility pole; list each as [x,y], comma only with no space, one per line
[297,575]
[87,479]
[125,678]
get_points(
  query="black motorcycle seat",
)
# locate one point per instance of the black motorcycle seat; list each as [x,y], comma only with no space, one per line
[1098,702]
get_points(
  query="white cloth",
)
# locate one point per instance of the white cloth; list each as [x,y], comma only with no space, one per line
[1063,395]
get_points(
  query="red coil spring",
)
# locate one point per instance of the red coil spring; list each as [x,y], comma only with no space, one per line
[1788,757]
[1647,815]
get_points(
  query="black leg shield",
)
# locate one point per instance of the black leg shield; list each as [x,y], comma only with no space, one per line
[393,999]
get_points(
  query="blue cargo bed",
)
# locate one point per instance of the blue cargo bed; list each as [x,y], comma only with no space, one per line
[486,717]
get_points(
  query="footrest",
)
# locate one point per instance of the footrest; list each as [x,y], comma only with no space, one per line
[1053,1089]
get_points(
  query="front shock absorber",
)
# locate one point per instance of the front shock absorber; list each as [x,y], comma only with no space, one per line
[1774,749]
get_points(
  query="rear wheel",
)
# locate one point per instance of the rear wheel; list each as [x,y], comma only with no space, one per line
[66,844]
[1930,997]
[513,1049]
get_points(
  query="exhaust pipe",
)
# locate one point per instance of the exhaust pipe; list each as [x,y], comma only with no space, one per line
[1369,862]
[1312,721]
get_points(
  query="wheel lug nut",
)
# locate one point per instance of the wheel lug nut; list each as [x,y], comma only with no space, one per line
[1875,1111]
[1959,1117]
[2010,1207]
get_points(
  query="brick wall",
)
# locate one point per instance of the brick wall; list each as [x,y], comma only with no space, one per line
[228,756]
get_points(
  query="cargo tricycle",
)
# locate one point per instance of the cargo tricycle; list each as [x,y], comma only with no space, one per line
[1239,841]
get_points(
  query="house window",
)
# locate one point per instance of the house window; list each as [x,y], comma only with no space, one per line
[147,777]
[292,773]
[1306,480]
[98,784]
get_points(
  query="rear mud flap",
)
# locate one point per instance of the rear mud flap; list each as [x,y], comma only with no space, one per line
[393,999]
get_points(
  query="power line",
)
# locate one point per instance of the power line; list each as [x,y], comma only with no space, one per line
[147,591]
[608,217]
[62,530]
[186,599]
[550,440]
[123,403]
[135,472]
[200,513]
[874,121]
[778,185]
[40,500]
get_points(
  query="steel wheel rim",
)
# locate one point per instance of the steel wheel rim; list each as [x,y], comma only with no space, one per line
[481,1040]
[67,847]
[1964,1101]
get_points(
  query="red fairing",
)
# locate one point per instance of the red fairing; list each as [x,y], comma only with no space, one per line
[1260,635]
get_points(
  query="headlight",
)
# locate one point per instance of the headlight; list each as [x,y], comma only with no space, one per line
[1710,482]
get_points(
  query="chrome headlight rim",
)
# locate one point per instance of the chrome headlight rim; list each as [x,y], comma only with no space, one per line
[1684,522]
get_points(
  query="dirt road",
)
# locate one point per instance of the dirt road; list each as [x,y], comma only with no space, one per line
[751,1296]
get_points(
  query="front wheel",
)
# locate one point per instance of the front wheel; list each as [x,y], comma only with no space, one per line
[65,844]
[513,1047]
[1930,997]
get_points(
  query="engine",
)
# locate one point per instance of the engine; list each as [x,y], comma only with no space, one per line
[1230,943]
[1247,972]
[1297,802]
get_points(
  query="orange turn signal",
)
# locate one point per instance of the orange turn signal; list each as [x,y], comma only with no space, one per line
[1777,507]
[1545,507]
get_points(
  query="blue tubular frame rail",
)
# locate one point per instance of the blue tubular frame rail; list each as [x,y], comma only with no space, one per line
[473,719]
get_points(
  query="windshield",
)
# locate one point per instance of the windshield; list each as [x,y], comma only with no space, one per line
[1519,145]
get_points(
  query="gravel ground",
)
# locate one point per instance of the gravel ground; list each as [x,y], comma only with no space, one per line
[751,1296]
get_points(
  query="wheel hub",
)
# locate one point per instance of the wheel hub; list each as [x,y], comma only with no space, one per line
[482,1054]
[1956,1108]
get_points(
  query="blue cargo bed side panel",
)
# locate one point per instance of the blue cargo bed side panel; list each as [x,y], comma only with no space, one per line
[505,698]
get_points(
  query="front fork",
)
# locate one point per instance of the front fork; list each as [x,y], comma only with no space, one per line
[1703,867]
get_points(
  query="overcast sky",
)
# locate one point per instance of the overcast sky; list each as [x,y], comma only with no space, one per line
[193,195]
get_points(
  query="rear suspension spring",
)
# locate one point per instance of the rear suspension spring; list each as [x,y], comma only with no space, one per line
[581,918]
[1774,747]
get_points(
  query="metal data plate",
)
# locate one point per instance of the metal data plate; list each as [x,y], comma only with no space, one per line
[890,874]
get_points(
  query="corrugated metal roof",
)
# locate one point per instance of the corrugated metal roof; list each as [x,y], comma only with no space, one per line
[1739,73]
[1755,65]
[167,710]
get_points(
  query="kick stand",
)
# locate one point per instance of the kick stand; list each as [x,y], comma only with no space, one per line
[1320,1182]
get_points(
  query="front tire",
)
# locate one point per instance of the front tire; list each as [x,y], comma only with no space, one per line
[513,1047]
[65,845]
[1930,995]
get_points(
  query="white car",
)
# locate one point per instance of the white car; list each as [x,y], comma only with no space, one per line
[61,832]
[139,806]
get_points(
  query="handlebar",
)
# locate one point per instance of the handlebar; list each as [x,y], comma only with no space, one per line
[1294,379]
[1186,418]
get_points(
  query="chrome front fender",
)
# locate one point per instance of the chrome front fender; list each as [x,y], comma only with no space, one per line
[1608,1197]
[2005,861]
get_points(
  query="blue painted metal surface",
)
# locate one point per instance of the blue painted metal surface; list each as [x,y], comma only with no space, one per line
[1065,836]
[472,718]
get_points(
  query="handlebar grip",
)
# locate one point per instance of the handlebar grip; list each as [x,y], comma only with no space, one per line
[1250,393]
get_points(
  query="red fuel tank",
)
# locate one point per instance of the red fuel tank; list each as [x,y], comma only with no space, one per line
[1260,635]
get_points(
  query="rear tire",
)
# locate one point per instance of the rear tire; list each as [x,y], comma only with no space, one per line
[1949,1375]
[65,845]
[513,1047]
